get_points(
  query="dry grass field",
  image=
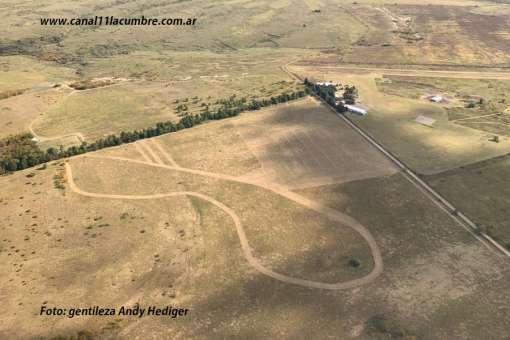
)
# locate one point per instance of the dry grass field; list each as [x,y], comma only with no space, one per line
[438,33]
[481,190]
[476,103]
[19,72]
[146,89]
[295,145]
[280,223]
[61,246]
[115,108]
[17,113]
[369,31]
[304,144]
[477,188]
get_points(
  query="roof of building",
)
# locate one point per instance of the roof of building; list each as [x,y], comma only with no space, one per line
[356,109]
[425,120]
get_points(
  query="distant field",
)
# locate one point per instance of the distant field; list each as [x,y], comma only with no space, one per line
[391,120]
[488,115]
[369,31]
[19,72]
[151,88]
[17,113]
[101,111]
[414,34]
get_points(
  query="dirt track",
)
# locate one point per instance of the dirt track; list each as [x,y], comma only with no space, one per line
[78,135]
[332,214]
[409,72]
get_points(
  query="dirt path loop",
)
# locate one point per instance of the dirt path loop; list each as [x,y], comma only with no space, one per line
[72,92]
[40,138]
[332,214]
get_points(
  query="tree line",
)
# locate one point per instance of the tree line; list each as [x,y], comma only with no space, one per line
[328,94]
[21,151]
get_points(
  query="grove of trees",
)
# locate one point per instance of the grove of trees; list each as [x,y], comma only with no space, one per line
[327,93]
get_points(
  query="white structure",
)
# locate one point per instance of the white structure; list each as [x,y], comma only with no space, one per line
[356,109]
[436,99]
[427,121]
[326,83]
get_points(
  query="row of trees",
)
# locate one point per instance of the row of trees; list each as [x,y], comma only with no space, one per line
[24,153]
[327,93]
[19,151]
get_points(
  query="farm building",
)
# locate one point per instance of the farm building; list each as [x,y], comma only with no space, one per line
[356,109]
[436,99]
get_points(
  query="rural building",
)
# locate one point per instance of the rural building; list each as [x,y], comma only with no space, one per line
[356,109]
[436,99]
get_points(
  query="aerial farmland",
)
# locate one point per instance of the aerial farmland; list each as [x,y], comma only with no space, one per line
[254,170]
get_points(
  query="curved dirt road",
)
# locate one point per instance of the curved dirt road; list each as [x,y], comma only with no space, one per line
[332,214]
[78,135]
